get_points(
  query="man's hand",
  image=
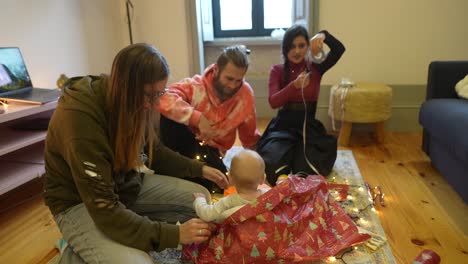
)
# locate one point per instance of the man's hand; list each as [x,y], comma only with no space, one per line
[215,176]
[197,195]
[316,43]
[303,78]
[205,126]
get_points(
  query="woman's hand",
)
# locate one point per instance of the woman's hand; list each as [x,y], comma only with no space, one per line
[303,78]
[215,176]
[195,231]
[316,43]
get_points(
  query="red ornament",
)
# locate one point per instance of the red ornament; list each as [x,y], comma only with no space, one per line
[427,257]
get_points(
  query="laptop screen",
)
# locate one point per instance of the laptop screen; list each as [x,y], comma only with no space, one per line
[14,76]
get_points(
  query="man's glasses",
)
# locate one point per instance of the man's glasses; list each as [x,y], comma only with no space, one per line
[156,95]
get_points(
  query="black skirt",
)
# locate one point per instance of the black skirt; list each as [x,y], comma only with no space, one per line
[282,143]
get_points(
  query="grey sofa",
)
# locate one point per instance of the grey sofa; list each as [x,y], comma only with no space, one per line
[444,117]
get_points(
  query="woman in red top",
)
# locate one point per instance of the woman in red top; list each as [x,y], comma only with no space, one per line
[294,88]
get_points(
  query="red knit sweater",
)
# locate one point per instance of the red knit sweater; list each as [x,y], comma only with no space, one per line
[281,93]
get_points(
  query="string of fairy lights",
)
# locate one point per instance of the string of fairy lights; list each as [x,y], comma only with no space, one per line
[202,156]
[356,214]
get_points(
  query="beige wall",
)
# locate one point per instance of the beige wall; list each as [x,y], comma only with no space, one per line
[391,42]
[106,32]
[386,41]
[164,25]
[394,41]
[74,37]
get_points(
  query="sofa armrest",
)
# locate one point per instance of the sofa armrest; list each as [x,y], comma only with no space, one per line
[442,78]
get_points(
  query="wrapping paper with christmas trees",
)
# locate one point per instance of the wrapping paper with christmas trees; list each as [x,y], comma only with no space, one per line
[296,221]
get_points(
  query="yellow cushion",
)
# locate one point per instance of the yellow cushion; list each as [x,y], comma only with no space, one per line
[363,103]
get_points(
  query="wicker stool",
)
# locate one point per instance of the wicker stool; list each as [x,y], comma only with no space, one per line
[363,103]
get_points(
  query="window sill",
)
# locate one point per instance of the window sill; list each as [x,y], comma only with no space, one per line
[249,41]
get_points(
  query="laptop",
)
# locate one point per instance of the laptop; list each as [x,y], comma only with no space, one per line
[15,83]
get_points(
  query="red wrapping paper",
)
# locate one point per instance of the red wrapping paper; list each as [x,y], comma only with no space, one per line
[341,189]
[293,222]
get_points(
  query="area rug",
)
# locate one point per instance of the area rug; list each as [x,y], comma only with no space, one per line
[357,203]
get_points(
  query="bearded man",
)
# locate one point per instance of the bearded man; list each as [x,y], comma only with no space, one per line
[201,115]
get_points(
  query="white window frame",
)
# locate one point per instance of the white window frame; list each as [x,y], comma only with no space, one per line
[300,14]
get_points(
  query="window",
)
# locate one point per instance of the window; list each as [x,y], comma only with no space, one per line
[250,18]
[244,18]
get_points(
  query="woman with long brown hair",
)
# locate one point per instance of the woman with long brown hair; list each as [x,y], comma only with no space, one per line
[295,141]
[105,166]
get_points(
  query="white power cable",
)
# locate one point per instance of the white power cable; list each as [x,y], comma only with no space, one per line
[342,103]
[305,125]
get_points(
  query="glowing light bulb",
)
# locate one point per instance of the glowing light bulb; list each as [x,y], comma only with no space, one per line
[356,210]
[361,189]
[5,105]
[197,157]
[331,259]
[349,197]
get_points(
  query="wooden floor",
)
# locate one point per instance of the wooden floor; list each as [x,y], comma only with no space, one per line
[422,212]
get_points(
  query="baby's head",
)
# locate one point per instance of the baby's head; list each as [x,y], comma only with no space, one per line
[247,170]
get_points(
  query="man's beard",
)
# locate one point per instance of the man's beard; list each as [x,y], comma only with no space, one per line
[220,89]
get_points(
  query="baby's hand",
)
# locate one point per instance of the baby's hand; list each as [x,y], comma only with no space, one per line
[281,178]
[196,195]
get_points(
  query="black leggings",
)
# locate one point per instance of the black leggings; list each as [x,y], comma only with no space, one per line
[179,138]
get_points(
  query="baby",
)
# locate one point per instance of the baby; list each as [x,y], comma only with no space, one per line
[247,172]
